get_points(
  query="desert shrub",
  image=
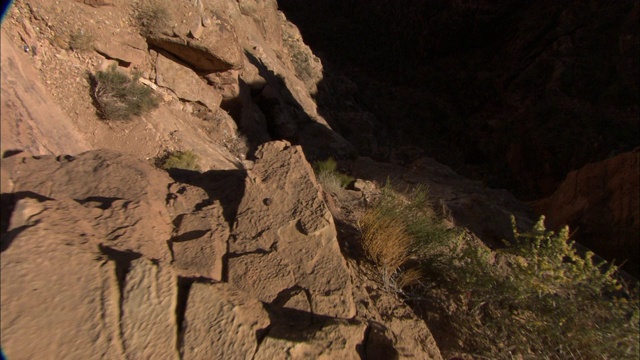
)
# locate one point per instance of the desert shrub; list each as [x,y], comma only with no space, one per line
[185,160]
[329,177]
[395,230]
[119,97]
[537,299]
[81,41]
[153,16]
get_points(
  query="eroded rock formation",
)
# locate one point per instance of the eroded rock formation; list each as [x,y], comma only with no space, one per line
[105,256]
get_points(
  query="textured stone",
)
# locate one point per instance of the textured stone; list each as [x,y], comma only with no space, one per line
[310,342]
[293,235]
[58,297]
[211,48]
[200,242]
[186,84]
[221,322]
[31,120]
[126,197]
[148,319]
[613,185]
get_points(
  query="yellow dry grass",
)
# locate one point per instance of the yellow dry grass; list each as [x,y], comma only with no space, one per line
[385,240]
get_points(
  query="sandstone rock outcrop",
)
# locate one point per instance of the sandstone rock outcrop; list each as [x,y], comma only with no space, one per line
[284,238]
[31,120]
[599,202]
[105,256]
[205,41]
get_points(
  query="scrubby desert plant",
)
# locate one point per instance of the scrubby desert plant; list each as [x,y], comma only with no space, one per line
[153,16]
[81,41]
[118,96]
[186,160]
[538,298]
[395,230]
[329,177]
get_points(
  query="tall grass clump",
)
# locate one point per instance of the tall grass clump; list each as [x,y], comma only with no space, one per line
[395,230]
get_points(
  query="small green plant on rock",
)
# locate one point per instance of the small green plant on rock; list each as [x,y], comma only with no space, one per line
[118,96]
[329,177]
[185,160]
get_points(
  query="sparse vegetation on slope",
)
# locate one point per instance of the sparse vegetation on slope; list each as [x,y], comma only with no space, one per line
[120,97]
[81,41]
[185,160]
[329,177]
[536,299]
[153,16]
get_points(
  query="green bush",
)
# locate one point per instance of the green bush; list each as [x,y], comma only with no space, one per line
[120,97]
[536,299]
[329,177]
[185,160]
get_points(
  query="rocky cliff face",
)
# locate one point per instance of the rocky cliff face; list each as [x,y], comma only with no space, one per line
[105,256]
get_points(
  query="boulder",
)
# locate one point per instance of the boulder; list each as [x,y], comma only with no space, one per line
[205,41]
[57,297]
[147,318]
[284,235]
[185,83]
[123,197]
[127,49]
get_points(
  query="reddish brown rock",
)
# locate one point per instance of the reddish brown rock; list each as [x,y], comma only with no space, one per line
[31,120]
[205,48]
[185,83]
[221,322]
[200,242]
[293,236]
[600,202]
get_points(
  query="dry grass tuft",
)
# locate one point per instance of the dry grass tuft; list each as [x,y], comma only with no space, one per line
[385,240]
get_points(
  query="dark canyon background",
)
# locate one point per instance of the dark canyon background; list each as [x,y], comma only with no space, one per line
[516,94]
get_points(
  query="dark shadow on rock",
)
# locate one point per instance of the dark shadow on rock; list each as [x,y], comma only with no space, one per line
[377,345]
[11,152]
[99,202]
[298,325]
[7,237]
[8,202]
[226,186]
[349,240]
[286,119]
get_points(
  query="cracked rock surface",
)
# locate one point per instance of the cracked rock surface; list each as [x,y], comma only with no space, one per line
[107,257]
